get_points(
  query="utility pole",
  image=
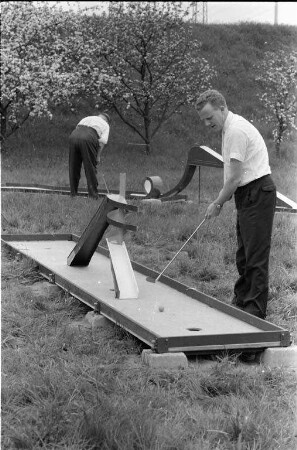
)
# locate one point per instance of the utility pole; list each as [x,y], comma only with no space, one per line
[199,12]
[275,13]
[205,12]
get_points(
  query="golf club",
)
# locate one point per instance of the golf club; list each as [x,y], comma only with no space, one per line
[104,181]
[154,280]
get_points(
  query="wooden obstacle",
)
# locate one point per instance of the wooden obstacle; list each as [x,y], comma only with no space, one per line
[110,212]
[201,155]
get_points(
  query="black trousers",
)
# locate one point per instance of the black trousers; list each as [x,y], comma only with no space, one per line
[83,149]
[255,204]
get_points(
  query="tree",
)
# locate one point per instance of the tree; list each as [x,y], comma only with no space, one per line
[45,60]
[278,74]
[149,51]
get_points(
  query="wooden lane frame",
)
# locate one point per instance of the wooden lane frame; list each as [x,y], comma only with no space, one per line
[64,190]
[82,192]
[268,334]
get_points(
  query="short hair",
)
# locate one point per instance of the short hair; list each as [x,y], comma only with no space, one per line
[106,116]
[215,98]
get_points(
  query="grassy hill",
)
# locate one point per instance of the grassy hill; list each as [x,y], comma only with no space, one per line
[236,52]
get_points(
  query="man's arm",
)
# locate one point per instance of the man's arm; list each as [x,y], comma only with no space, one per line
[230,186]
[103,139]
[101,147]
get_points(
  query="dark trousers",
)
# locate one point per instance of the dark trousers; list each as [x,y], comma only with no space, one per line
[255,204]
[83,149]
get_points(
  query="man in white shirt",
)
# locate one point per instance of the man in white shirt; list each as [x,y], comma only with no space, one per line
[86,144]
[247,176]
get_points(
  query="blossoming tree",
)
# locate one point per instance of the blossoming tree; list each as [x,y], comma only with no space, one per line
[45,60]
[149,50]
[278,74]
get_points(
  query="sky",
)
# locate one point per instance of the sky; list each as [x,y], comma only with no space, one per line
[228,12]
[224,12]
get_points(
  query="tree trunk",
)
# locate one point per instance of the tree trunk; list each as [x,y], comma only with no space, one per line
[148,148]
[279,138]
[3,124]
[277,148]
[147,126]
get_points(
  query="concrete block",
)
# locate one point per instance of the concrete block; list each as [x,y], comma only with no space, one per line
[98,321]
[280,357]
[164,360]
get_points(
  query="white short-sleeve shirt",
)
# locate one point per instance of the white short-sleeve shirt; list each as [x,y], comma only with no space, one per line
[242,141]
[99,124]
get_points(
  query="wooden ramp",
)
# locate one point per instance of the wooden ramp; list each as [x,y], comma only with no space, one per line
[191,321]
[199,156]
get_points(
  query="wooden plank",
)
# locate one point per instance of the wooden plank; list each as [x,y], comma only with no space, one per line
[65,190]
[282,200]
[83,251]
[122,272]
[124,278]
[205,156]
[123,186]
[41,237]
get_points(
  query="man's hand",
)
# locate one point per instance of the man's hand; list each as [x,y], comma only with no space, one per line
[213,210]
[230,186]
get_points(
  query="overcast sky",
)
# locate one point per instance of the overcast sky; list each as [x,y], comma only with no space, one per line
[227,12]
[252,11]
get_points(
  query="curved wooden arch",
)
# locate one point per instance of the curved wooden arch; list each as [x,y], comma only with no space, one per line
[198,156]
[119,222]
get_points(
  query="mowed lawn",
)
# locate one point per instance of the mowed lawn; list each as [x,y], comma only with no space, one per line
[67,386]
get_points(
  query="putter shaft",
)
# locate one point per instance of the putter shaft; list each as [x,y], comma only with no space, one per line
[180,249]
[104,182]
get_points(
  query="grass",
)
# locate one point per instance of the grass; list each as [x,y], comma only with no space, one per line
[74,388]
[77,388]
